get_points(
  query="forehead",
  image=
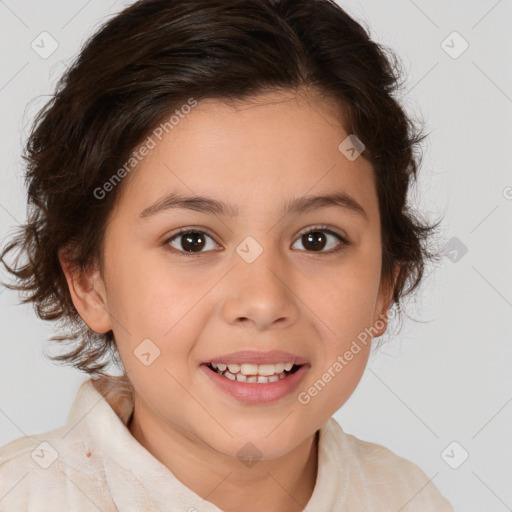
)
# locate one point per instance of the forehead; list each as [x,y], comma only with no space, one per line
[267,149]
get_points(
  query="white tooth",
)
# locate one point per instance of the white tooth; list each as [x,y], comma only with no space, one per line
[221,366]
[240,377]
[288,366]
[230,376]
[282,376]
[262,379]
[279,367]
[214,366]
[252,379]
[273,378]
[234,368]
[266,369]
[249,369]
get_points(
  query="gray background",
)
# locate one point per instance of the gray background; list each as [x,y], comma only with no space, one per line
[447,376]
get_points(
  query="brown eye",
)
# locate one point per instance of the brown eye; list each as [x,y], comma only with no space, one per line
[316,240]
[193,242]
[190,241]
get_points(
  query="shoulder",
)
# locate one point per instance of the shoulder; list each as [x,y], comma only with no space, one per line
[25,453]
[36,470]
[386,477]
[54,470]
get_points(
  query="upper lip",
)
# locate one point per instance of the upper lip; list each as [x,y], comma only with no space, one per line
[255,357]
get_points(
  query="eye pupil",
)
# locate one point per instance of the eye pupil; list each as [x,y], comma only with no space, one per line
[310,240]
[192,241]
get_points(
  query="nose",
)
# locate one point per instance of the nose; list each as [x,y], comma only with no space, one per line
[260,293]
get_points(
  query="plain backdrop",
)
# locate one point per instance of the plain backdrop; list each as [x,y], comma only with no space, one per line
[439,393]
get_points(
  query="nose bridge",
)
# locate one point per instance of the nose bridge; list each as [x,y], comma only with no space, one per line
[258,288]
[259,263]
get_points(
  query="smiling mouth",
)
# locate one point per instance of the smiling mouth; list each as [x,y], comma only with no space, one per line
[251,377]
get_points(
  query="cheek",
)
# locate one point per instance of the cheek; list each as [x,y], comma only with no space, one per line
[150,297]
[349,368]
[160,312]
[344,299]
[333,382]
[344,308]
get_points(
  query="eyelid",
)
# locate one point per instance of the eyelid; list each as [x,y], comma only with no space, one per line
[192,229]
[324,227]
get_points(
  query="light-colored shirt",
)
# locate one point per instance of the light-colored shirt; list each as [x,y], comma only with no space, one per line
[93,463]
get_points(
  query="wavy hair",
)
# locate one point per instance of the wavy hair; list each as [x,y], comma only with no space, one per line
[147,61]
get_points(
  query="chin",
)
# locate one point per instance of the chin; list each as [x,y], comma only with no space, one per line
[258,443]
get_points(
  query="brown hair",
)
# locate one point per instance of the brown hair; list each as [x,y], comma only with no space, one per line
[150,59]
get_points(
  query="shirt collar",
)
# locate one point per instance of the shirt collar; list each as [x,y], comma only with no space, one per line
[139,481]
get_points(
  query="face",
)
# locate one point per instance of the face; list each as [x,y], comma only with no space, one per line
[253,277]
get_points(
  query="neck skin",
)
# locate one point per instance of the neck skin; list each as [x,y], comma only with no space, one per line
[279,485]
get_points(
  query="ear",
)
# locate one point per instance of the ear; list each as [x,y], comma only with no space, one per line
[87,290]
[383,303]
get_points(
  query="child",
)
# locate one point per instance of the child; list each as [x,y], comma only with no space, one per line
[217,205]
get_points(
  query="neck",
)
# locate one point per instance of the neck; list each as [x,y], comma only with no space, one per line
[284,484]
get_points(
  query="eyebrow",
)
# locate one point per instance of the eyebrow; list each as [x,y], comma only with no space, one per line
[209,205]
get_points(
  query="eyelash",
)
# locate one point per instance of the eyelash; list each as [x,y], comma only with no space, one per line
[322,228]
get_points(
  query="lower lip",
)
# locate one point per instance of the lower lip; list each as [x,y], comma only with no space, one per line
[254,393]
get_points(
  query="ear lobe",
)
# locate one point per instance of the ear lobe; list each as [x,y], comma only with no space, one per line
[87,291]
